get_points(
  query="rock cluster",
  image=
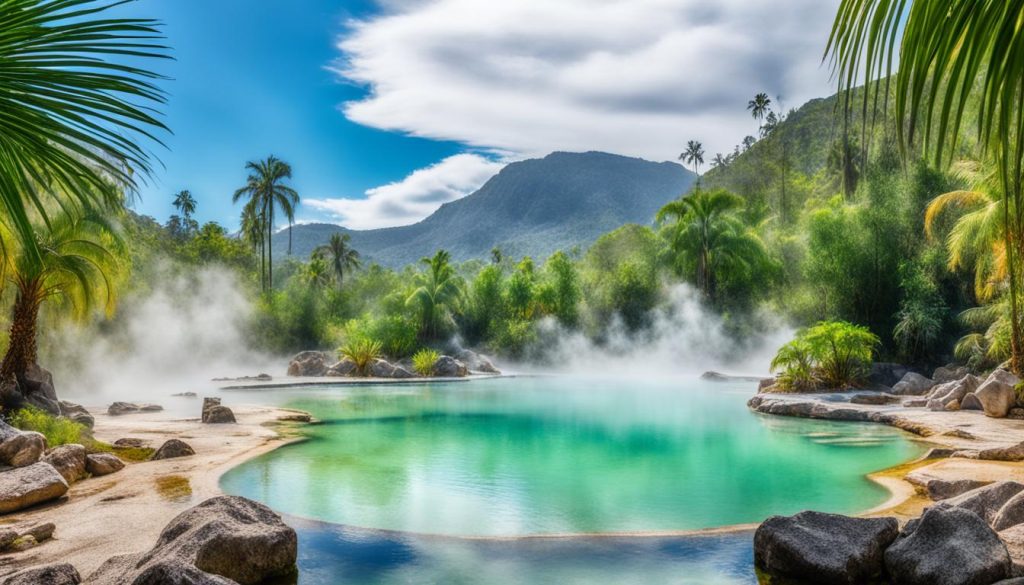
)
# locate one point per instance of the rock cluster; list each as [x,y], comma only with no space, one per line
[317,364]
[215,413]
[120,408]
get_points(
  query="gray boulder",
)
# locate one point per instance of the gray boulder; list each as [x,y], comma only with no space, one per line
[121,408]
[226,539]
[935,406]
[345,367]
[38,390]
[1011,453]
[971,402]
[997,394]
[1013,538]
[77,413]
[381,369]
[99,464]
[26,486]
[308,363]
[401,373]
[448,367]
[948,546]
[55,574]
[1010,514]
[480,363]
[874,398]
[949,373]
[172,448]
[219,415]
[20,448]
[886,374]
[40,532]
[912,384]
[68,460]
[824,548]
[986,501]
[941,489]
[954,390]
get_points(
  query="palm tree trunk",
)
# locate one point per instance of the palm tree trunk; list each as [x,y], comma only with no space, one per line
[270,250]
[21,349]
[1011,260]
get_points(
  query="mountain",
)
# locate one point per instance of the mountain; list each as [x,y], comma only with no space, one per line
[533,207]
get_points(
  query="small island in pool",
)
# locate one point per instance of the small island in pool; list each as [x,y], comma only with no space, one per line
[520,293]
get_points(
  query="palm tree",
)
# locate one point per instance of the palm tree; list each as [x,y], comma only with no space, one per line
[694,155]
[947,51]
[340,256]
[267,192]
[437,295]
[318,274]
[759,107]
[71,262]
[708,239]
[74,118]
[719,161]
[185,204]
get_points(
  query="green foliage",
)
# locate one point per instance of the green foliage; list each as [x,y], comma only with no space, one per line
[921,315]
[831,354]
[620,273]
[363,352]
[437,297]
[423,361]
[396,334]
[57,430]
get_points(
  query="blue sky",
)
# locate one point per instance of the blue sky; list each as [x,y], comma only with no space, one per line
[388,108]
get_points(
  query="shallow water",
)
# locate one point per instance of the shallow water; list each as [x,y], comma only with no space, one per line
[529,456]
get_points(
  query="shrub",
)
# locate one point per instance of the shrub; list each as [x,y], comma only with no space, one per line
[831,354]
[57,430]
[396,333]
[423,361]
[362,352]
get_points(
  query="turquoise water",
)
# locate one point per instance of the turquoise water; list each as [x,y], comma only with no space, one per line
[542,456]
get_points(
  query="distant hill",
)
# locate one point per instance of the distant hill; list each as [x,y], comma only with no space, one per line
[533,207]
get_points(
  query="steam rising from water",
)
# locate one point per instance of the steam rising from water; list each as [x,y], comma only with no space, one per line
[188,329]
[685,338]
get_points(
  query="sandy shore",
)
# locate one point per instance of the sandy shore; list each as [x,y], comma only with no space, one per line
[125,512]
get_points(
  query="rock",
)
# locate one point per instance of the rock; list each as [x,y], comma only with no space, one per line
[99,464]
[68,460]
[971,402]
[381,369]
[955,390]
[1011,453]
[186,394]
[131,443]
[38,390]
[20,448]
[476,362]
[875,398]
[916,403]
[26,486]
[1013,538]
[764,385]
[952,405]
[935,406]
[227,537]
[7,537]
[23,543]
[298,417]
[886,374]
[345,367]
[219,415]
[948,373]
[824,548]
[987,501]
[1016,413]
[40,532]
[943,489]
[937,453]
[997,394]
[308,363]
[948,546]
[400,373]
[55,574]
[912,384]
[1010,514]
[959,434]
[120,408]
[449,367]
[172,448]
[77,413]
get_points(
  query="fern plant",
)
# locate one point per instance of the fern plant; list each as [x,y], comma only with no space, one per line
[423,361]
[363,352]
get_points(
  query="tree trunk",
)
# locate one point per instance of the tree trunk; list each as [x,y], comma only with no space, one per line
[21,349]
[270,250]
[1011,260]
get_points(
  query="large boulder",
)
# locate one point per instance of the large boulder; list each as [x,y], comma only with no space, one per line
[1011,453]
[954,390]
[824,548]
[55,574]
[449,367]
[1013,538]
[381,369]
[227,536]
[1010,514]
[477,362]
[68,460]
[20,448]
[948,546]
[172,448]
[988,500]
[971,402]
[912,384]
[26,486]
[345,367]
[37,389]
[76,413]
[949,373]
[99,464]
[886,374]
[308,363]
[997,394]
[215,413]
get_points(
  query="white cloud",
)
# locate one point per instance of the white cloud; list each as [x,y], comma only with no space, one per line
[414,197]
[636,77]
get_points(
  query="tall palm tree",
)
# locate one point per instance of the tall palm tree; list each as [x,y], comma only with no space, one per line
[694,155]
[340,256]
[75,110]
[947,52]
[437,295]
[73,262]
[720,160]
[185,204]
[707,239]
[266,192]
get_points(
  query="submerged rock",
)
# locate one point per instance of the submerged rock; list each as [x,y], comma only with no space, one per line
[824,548]
[997,394]
[99,464]
[26,486]
[912,384]
[172,448]
[308,363]
[68,460]
[224,538]
[54,574]
[948,546]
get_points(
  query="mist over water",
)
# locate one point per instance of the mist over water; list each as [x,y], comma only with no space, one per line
[684,338]
[188,329]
